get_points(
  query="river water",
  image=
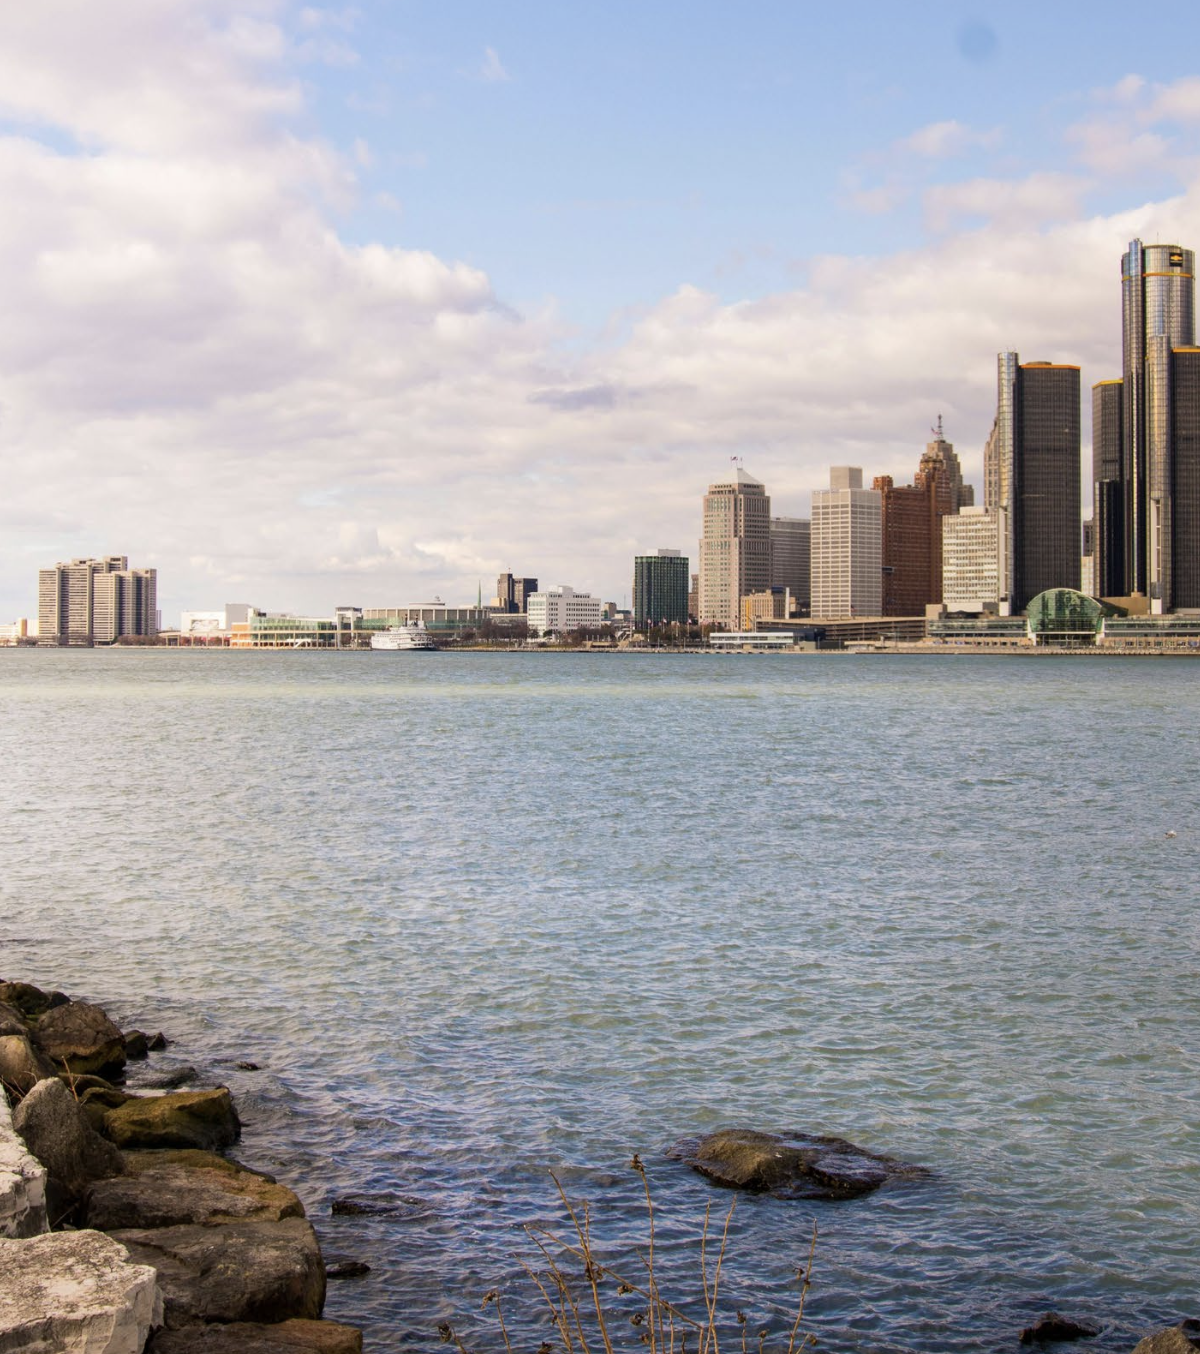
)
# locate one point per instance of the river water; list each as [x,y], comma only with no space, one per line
[484,917]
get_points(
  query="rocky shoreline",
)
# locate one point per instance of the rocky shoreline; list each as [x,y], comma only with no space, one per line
[123,1226]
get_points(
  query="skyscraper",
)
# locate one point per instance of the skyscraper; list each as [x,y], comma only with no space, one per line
[1031,473]
[846,547]
[95,601]
[512,593]
[1137,471]
[735,548]
[791,558]
[660,589]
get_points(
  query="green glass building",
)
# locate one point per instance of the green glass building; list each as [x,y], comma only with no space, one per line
[660,589]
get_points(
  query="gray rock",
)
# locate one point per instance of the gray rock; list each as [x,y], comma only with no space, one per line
[203,1119]
[172,1188]
[243,1337]
[798,1166]
[1181,1339]
[243,1271]
[75,1293]
[29,1000]
[57,1132]
[137,1044]
[11,1021]
[80,1038]
[21,1065]
[22,1183]
[168,1079]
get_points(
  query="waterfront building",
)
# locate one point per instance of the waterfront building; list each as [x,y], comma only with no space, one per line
[1146,430]
[791,559]
[562,609]
[846,547]
[735,547]
[1031,475]
[771,605]
[96,601]
[660,589]
[970,561]
[513,593]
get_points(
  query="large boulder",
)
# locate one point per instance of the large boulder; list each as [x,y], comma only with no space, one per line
[22,1183]
[170,1188]
[202,1119]
[21,1065]
[798,1166]
[57,1132]
[75,1293]
[29,1000]
[11,1020]
[243,1337]
[244,1271]
[80,1038]
[1181,1339]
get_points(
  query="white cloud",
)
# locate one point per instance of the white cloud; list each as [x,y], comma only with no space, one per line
[492,70]
[943,140]
[196,370]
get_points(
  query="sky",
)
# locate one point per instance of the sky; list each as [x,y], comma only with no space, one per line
[310,305]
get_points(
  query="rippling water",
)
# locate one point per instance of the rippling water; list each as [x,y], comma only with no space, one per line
[480,917]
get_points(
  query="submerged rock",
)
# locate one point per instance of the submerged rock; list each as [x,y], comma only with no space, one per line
[1051,1328]
[795,1166]
[243,1271]
[80,1038]
[380,1206]
[203,1119]
[1181,1339]
[173,1188]
[168,1079]
[346,1269]
[244,1337]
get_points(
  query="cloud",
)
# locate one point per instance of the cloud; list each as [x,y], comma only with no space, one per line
[942,140]
[492,70]
[196,369]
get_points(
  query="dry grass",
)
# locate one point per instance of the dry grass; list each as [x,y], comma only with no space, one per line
[593,1309]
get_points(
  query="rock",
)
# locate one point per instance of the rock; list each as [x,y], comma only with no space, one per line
[57,1132]
[168,1079]
[11,1021]
[244,1337]
[1181,1339]
[380,1206]
[80,1086]
[244,1271]
[137,1045]
[347,1269]
[22,1183]
[204,1119]
[29,1000]
[75,1293]
[172,1188]
[798,1166]
[21,1065]
[1051,1327]
[247,1067]
[80,1037]
[157,1042]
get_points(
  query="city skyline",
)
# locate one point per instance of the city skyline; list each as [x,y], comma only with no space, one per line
[313,303]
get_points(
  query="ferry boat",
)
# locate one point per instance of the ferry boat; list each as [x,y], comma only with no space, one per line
[410,636]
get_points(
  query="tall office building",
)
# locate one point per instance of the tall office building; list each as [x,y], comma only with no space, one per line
[96,601]
[735,548]
[791,559]
[660,589]
[1137,471]
[512,594]
[970,560]
[847,547]
[1031,474]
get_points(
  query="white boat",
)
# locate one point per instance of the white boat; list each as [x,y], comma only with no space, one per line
[410,636]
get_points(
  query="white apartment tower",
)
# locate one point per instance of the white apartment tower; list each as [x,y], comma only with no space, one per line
[735,548]
[847,547]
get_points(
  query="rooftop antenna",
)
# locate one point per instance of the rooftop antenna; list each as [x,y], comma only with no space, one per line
[937,432]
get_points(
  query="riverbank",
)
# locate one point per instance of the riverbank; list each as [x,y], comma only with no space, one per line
[124,1225]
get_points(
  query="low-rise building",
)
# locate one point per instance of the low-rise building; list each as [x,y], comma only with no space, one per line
[562,609]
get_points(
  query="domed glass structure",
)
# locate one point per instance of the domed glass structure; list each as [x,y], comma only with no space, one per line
[1064,618]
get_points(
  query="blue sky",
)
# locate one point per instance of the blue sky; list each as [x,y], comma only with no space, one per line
[312,304]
